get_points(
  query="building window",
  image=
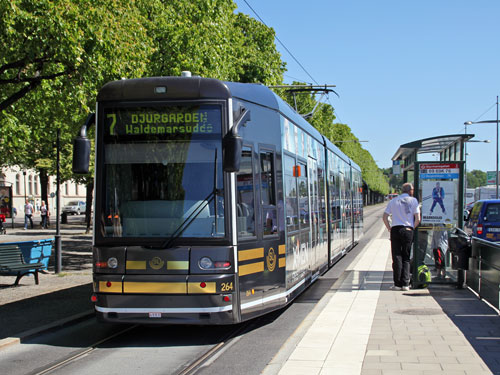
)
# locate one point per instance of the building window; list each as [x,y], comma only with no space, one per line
[66,188]
[30,185]
[36,185]
[76,189]
[18,184]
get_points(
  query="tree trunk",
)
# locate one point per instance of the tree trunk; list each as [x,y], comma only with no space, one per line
[44,185]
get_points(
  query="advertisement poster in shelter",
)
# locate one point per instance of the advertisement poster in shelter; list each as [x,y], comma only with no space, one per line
[438,202]
[6,201]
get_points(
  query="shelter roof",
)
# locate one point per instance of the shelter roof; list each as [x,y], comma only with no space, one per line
[429,145]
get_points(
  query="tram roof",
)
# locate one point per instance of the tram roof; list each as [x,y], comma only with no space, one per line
[186,87]
[263,95]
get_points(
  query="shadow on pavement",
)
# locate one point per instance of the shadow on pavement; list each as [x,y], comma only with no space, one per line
[30,313]
[479,323]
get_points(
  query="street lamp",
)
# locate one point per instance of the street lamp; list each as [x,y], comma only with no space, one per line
[24,174]
[489,122]
[57,247]
[466,153]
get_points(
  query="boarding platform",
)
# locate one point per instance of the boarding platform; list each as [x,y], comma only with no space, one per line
[363,327]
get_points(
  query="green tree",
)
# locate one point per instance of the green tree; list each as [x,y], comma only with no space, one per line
[54,55]
[341,135]
[476,178]
[81,42]
[395,180]
[208,39]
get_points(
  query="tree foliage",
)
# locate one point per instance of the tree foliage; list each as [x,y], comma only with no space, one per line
[56,54]
[341,135]
[208,39]
[395,180]
[80,43]
[476,178]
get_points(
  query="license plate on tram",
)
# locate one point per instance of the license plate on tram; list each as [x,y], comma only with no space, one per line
[155,315]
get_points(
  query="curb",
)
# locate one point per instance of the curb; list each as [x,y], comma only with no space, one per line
[10,341]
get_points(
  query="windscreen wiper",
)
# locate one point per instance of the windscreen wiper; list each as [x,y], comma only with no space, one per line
[197,211]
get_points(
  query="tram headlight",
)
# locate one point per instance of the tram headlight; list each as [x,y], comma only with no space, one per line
[112,262]
[206,263]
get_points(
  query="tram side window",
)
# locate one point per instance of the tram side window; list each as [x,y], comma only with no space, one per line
[291,204]
[268,196]
[303,198]
[333,196]
[245,216]
[321,196]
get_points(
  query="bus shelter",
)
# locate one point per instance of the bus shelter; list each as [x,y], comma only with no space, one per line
[439,188]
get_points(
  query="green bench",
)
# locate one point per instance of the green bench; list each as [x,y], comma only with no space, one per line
[12,262]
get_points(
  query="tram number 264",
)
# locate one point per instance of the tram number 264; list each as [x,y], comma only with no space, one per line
[226,287]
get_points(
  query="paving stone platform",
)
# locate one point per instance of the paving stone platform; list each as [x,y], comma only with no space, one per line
[363,327]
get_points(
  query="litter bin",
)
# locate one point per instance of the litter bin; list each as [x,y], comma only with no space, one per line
[64,218]
[460,247]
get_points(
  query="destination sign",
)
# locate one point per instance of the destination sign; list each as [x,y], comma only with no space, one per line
[162,121]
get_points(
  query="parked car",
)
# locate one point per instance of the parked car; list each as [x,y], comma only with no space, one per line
[484,220]
[74,207]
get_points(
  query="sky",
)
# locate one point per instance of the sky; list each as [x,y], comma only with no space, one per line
[405,70]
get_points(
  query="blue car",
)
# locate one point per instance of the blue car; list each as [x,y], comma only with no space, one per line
[484,220]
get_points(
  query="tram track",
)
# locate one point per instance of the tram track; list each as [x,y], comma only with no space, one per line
[195,365]
[80,353]
[200,361]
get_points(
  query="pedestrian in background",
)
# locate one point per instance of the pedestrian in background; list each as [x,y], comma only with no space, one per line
[405,218]
[28,213]
[44,213]
[439,246]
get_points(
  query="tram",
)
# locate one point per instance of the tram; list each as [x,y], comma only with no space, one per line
[215,202]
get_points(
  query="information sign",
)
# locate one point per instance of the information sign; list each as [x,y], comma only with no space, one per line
[446,171]
[490,178]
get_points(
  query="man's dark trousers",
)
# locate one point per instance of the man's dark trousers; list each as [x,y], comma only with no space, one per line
[401,240]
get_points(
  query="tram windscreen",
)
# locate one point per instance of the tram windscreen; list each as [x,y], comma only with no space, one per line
[162,172]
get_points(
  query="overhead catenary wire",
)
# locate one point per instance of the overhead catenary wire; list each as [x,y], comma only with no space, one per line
[294,58]
[282,44]
[485,112]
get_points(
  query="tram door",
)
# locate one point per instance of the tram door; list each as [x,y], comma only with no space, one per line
[258,229]
[314,211]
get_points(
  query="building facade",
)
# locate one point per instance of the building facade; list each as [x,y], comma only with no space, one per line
[25,184]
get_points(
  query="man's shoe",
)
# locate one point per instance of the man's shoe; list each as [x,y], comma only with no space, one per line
[394,287]
[405,288]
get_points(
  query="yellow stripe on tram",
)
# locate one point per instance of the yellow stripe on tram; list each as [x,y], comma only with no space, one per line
[281,249]
[177,265]
[136,264]
[115,287]
[195,288]
[156,288]
[248,269]
[282,262]
[250,254]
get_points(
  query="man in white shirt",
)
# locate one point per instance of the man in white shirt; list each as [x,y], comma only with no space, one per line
[405,218]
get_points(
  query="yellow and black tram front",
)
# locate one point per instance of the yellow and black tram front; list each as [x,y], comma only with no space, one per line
[163,237]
